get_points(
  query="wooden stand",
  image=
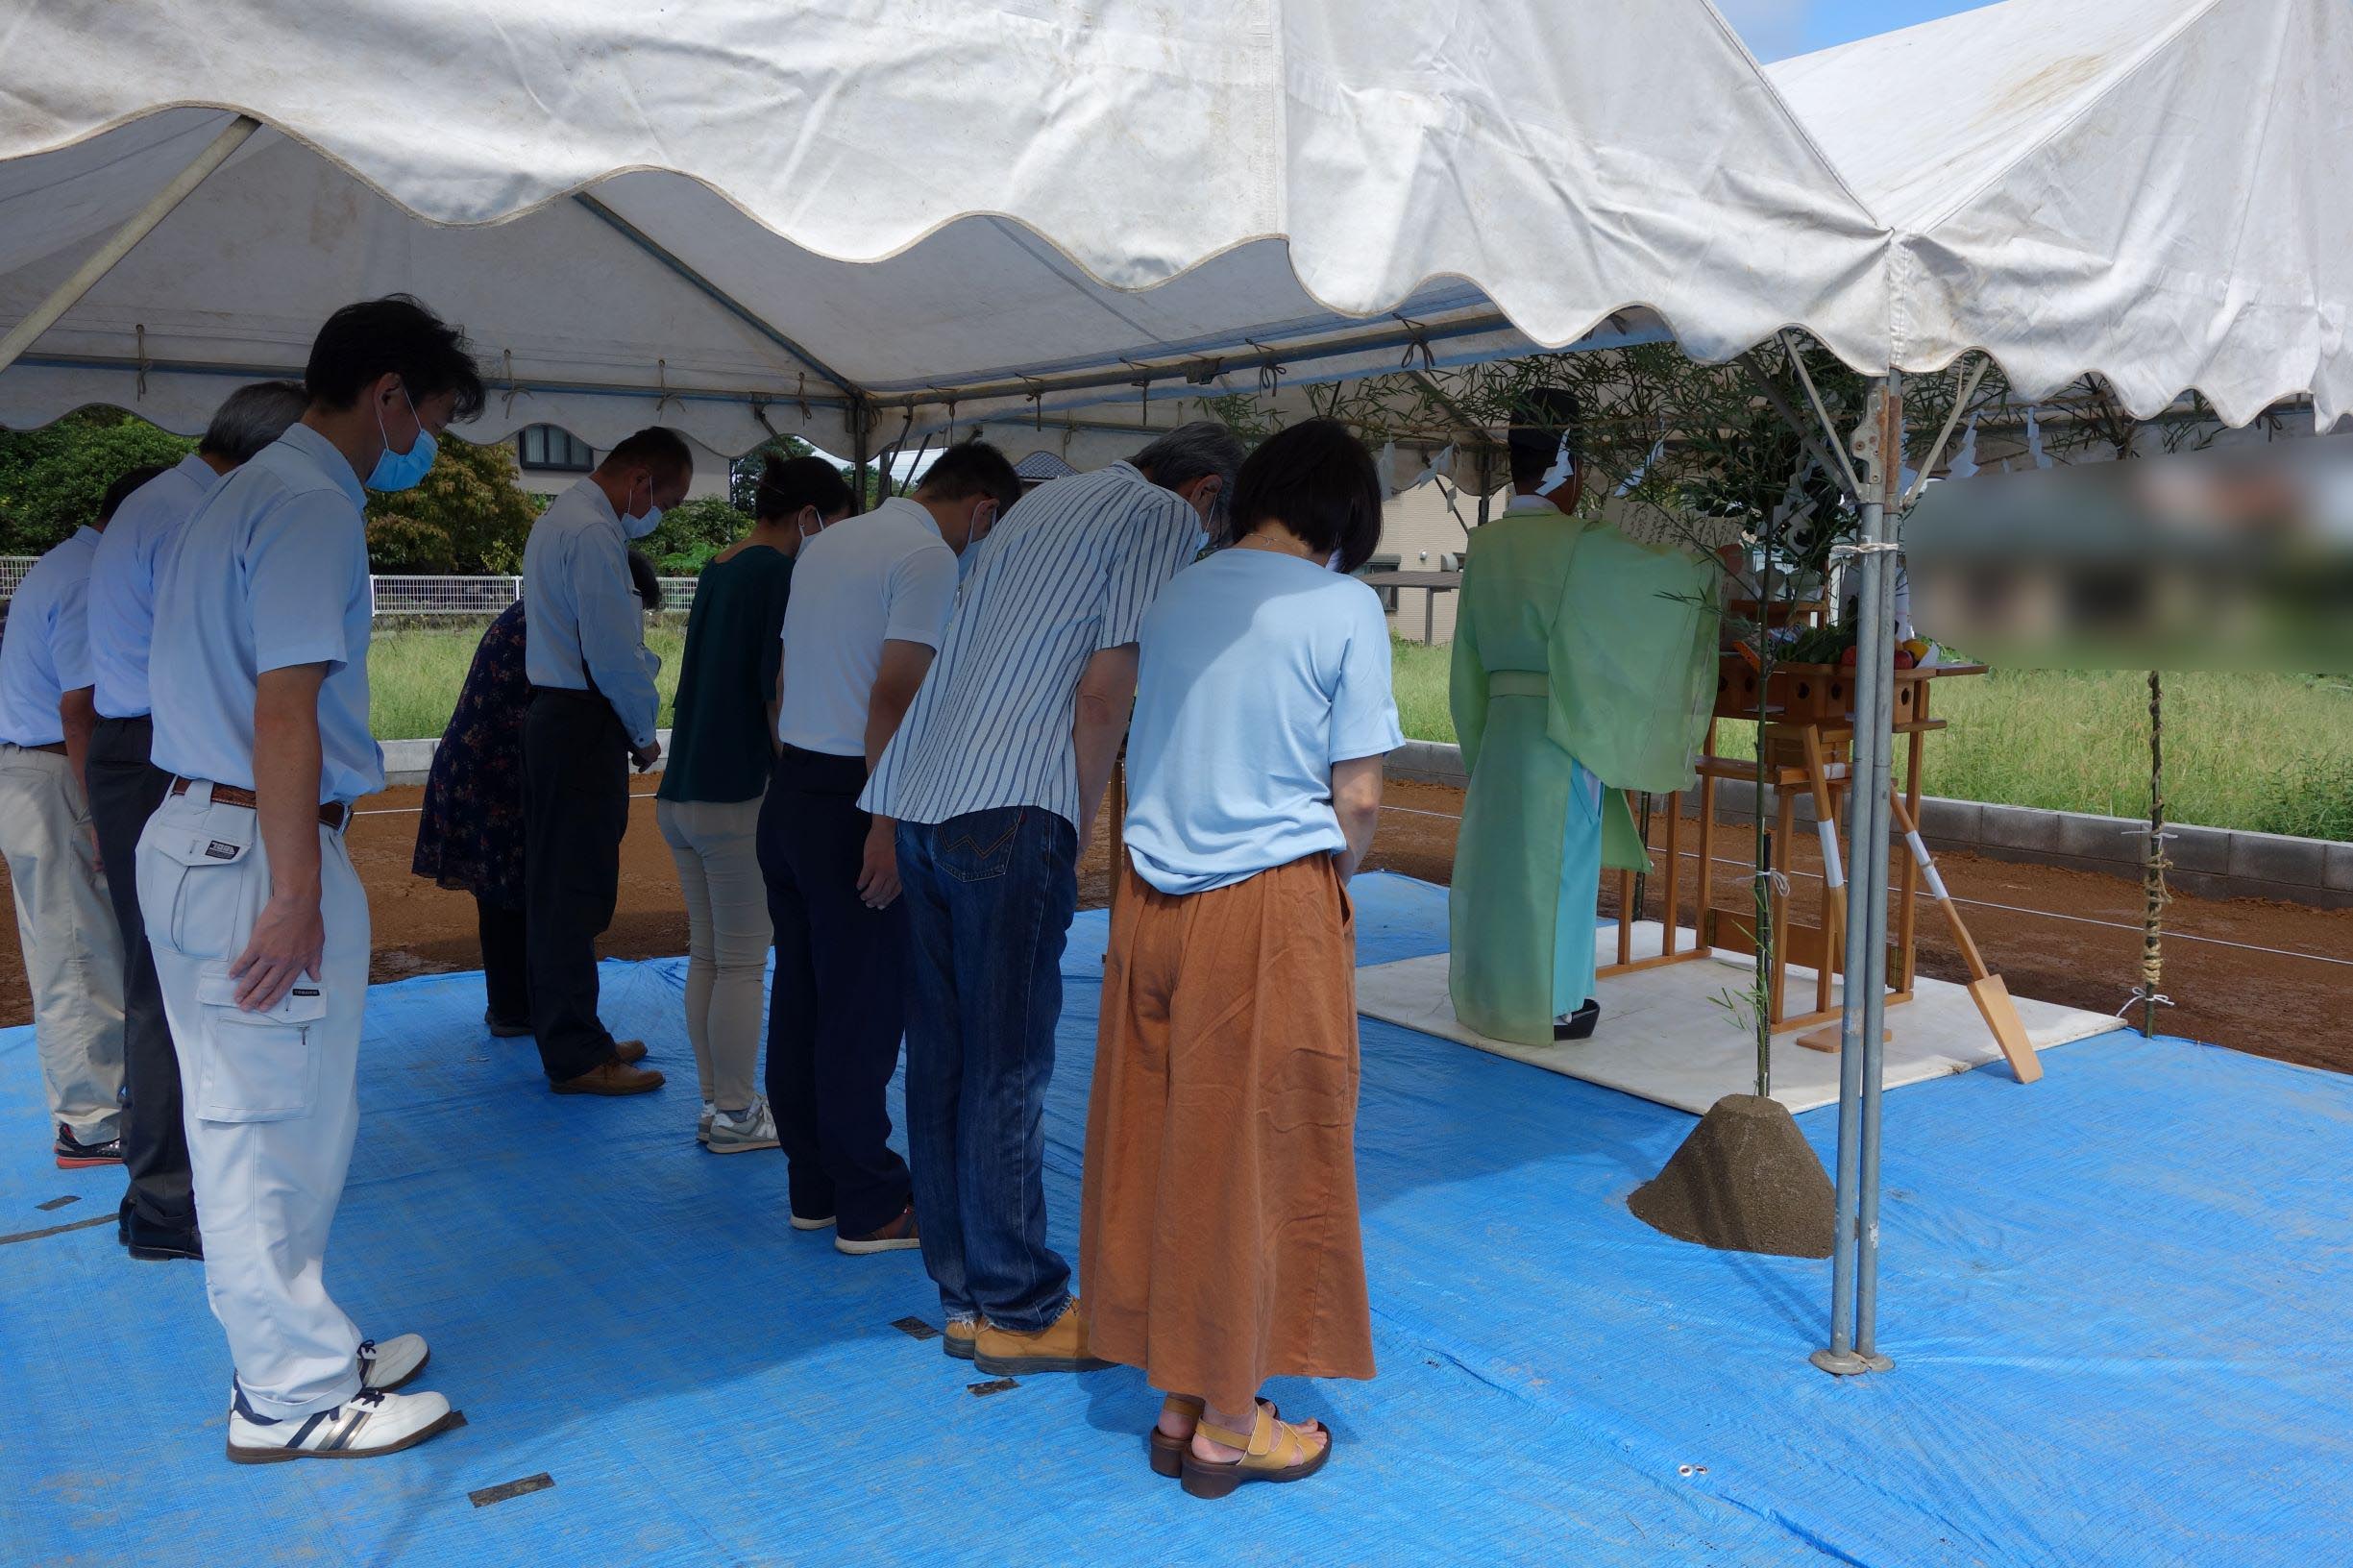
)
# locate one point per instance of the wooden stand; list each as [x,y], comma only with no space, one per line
[1806,738]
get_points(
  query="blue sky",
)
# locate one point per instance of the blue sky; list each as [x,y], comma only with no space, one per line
[1777,29]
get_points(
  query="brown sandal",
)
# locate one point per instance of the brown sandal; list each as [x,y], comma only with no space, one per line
[1168,1453]
[1275,1451]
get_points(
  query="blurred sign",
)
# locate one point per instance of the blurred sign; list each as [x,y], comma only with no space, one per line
[2233,558]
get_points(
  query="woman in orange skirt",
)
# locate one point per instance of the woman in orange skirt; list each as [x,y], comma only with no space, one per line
[1218,1243]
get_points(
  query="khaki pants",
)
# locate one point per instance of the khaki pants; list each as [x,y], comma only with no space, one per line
[73,950]
[716,845]
[270,1099]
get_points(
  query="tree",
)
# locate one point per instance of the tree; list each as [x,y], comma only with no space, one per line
[468,515]
[53,478]
[694,531]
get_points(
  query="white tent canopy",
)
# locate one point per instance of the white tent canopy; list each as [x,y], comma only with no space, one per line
[636,210]
[2158,190]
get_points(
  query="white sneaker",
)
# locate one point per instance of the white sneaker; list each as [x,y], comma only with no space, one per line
[393,1363]
[736,1132]
[702,1124]
[369,1423]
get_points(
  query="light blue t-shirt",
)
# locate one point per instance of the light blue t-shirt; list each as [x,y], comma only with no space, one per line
[272,572]
[1259,672]
[123,581]
[46,643]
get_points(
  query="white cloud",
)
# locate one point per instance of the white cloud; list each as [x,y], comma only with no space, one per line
[1772,29]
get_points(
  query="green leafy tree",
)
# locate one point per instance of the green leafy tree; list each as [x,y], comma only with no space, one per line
[469,515]
[694,531]
[53,478]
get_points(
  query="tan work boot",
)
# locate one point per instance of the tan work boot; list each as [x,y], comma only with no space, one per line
[629,1051]
[612,1078]
[957,1339]
[1061,1346]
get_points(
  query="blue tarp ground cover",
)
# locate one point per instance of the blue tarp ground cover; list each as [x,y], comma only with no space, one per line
[2120,1301]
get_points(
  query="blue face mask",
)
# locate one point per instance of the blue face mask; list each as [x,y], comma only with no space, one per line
[401,470]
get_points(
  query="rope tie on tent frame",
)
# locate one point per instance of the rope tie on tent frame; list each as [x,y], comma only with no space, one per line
[140,393]
[1037,401]
[801,398]
[661,380]
[1271,370]
[1419,345]
[506,373]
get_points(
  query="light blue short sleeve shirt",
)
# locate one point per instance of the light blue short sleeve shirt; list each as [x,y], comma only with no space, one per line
[46,643]
[272,572]
[122,613]
[1258,673]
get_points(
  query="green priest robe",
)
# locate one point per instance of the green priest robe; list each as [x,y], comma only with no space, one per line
[1576,650]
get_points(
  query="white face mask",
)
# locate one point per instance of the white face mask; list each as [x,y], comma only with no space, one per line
[637,527]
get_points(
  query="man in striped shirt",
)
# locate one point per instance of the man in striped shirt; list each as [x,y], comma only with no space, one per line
[994,780]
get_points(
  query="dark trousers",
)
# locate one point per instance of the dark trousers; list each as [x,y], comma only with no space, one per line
[838,1002]
[989,897]
[575,779]
[506,974]
[125,790]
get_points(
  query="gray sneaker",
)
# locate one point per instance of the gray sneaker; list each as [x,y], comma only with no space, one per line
[738,1132]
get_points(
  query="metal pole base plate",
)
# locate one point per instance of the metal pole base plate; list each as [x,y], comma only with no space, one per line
[1850,1363]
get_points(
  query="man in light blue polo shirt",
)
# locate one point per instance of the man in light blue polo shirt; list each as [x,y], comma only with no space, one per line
[72,951]
[256,919]
[994,780]
[592,714]
[157,1217]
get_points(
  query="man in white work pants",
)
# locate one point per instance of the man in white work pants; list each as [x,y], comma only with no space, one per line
[269,1098]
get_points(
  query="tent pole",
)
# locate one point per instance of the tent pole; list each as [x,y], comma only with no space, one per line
[101,261]
[1854,1255]
[858,456]
[1878,644]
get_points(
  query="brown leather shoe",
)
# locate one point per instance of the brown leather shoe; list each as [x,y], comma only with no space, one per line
[612,1078]
[1061,1346]
[900,1236]
[629,1051]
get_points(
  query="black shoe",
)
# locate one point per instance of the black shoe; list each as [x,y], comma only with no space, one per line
[502,1029]
[1580,1024]
[154,1243]
[75,1155]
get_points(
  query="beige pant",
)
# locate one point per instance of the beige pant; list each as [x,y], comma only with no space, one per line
[270,1099]
[73,950]
[716,848]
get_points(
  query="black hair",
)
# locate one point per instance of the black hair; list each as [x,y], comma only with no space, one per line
[1317,480]
[120,490]
[396,335]
[645,579]
[972,468]
[657,450]
[787,484]
[1540,417]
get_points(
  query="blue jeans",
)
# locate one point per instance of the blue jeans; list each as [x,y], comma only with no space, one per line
[989,898]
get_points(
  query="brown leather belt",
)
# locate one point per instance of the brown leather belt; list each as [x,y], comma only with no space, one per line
[335,815]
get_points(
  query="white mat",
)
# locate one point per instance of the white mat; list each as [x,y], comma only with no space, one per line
[1665,1038]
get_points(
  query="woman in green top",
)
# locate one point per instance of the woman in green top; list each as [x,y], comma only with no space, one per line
[721,749]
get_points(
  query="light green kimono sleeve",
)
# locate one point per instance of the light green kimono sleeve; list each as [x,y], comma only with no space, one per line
[1466,686]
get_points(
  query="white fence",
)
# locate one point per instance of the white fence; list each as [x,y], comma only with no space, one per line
[477,597]
[483,597]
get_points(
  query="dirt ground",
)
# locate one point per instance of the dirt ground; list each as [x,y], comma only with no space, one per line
[2243,973]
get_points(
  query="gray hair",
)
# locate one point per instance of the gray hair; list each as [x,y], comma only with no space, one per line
[251,418]
[1191,451]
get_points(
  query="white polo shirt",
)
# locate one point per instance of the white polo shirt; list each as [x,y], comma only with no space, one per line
[884,576]
[46,643]
[272,572]
[123,581]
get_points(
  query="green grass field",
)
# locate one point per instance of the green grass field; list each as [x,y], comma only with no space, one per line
[2273,753]
[413,675]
